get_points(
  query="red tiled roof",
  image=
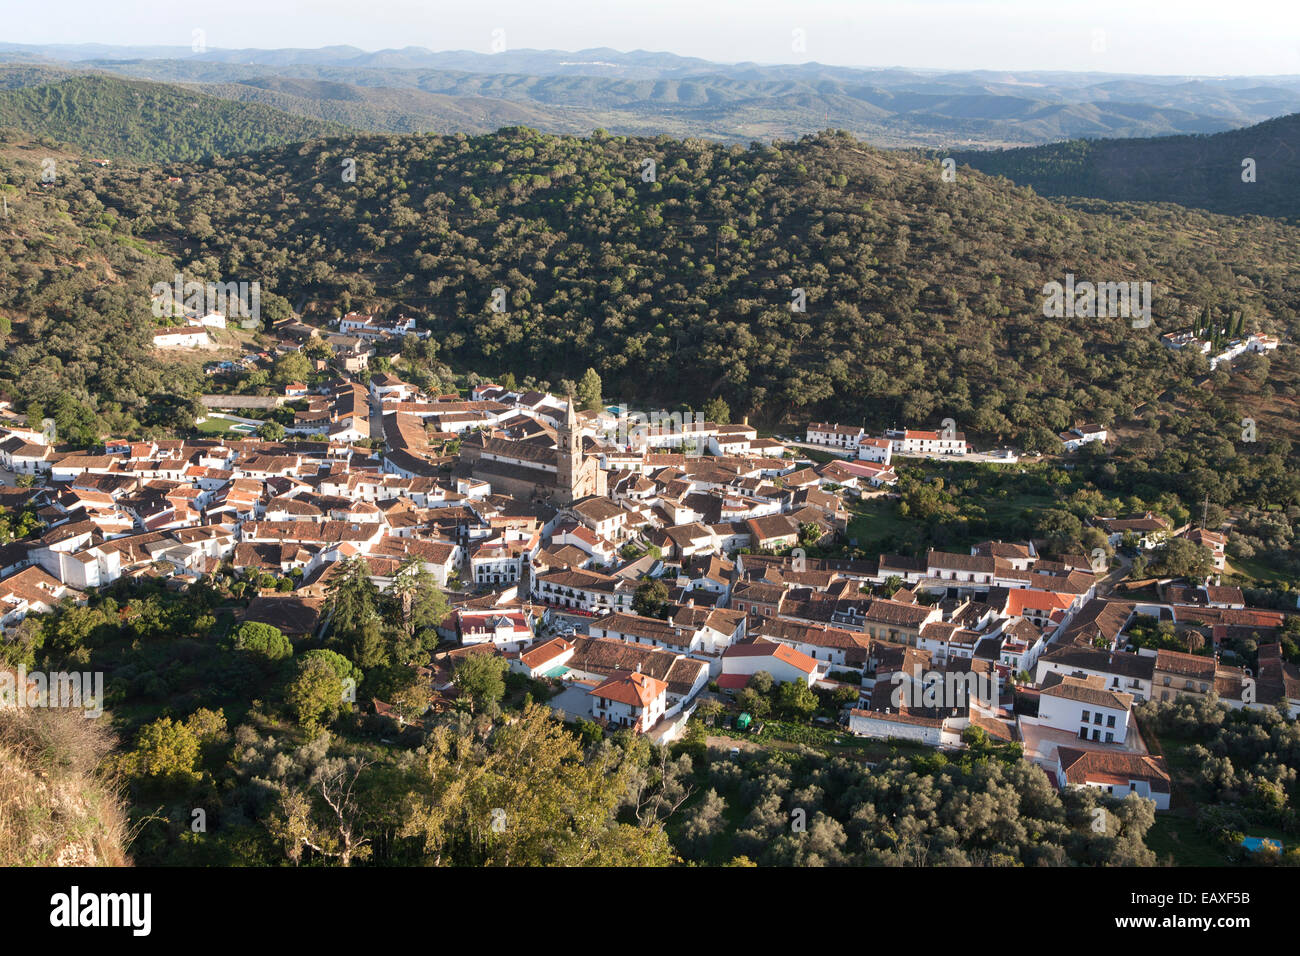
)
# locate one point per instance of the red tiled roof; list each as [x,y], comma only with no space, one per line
[631,688]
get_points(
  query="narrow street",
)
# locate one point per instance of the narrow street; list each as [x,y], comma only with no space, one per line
[1120,565]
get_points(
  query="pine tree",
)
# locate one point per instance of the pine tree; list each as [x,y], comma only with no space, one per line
[588,393]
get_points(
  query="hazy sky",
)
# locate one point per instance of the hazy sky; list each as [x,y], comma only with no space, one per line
[1120,36]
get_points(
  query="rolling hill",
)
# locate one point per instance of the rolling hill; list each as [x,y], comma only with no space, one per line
[647,93]
[1204,172]
[149,122]
[924,297]
[738,103]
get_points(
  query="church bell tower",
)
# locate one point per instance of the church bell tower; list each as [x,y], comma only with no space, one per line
[568,455]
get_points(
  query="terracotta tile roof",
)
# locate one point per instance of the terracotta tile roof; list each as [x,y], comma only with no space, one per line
[631,688]
[1112,767]
[1089,690]
[541,654]
[1185,665]
[764,648]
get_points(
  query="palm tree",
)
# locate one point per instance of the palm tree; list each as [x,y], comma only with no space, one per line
[406,589]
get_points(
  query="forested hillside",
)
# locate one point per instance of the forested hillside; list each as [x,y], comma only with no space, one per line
[149,122]
[384,110]
[1204,172]
[75,322]
[923,298]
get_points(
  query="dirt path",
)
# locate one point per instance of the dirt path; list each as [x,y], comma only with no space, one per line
[725,744]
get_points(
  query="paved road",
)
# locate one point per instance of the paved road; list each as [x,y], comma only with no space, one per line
[719,739]
[1119,569]
[975,456]
[376,411]
[837,452]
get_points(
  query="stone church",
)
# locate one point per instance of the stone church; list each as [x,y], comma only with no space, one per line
[537,469]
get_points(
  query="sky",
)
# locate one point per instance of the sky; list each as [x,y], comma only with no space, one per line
[1175,37]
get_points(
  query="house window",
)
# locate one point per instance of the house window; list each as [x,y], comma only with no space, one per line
[1096,718]
[1110,738]
[1083,733]
[1086,716]
[1110,720]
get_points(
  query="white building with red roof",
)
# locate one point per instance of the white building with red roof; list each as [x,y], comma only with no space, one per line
[910,441]
[1117,773]
[507,630]
[742,661]
[545,659]
[629,699]
[835,436]
[879,450]
[1212,541]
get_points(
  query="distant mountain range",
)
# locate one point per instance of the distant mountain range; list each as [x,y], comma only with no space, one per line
[647,93]
[225,102]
